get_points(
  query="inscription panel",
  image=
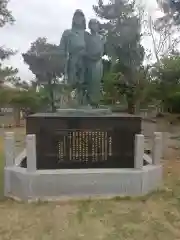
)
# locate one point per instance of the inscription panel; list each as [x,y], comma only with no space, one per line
[84,146]
[84,142]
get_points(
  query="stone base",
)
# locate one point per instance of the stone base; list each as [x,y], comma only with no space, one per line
[50,185]
[84,111]
[83,138]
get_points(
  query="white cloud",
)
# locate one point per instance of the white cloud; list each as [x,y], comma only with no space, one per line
[39,18]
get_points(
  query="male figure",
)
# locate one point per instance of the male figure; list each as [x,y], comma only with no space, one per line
[94,67]
[73,48]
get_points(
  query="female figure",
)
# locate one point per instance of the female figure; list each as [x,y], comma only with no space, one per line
[72,48]
[95,51]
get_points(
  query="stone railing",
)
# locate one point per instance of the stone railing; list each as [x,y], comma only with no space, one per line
[31,151]
[30,184]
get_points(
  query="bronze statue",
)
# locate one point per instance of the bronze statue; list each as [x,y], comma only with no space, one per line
[82,52]
[94,53]
[73,48]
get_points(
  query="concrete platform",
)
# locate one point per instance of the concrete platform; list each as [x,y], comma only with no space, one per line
[30,184]
[69,184]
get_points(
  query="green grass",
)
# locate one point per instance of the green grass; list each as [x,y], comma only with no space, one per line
[156,216]
[1,166]
[1,174]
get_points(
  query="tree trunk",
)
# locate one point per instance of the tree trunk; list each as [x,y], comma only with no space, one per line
[51,92]
[17,116]
[131,106]
[137,107]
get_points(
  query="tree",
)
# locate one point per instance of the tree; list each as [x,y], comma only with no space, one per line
[123,34]
[169,70]
[116,87]
[46,64]
[6,73]
[5,17]
[5,95]
[44,61]
[5,14]
[106,66]
[23,100]
[167,78]
[171,10]
[112,93]
[164,39]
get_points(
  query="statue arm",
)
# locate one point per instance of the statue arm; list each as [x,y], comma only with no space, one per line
[86,36]
[63,50]
[63,47]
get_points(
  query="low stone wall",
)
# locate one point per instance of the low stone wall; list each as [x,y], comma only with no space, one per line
[89,183]
[31,184]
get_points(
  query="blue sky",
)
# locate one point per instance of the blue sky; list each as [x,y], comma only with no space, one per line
[41,18]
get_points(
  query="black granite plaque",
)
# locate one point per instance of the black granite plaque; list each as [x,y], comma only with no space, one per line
[84,141]
[83,146]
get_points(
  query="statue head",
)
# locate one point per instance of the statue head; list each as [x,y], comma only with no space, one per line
[94,25]
[79,20]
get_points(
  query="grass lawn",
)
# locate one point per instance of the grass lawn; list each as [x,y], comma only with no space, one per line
[156,216]
[1,166]
[152,217]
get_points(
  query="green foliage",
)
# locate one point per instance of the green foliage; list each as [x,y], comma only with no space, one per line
[5,17]
[123,34]
[173,103]
[116,87]
[6,73]
[23,99]
[122,30]
[5,95]
[5,53]
[171,9]
[44,61]
[5,14]
[106,66]
[112,93]
[169,70]
[166,76]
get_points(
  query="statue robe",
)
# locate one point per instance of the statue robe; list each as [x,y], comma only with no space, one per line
[72,47]
[95,50]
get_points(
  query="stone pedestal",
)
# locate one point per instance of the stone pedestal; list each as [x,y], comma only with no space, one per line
[84,138]
[84,156]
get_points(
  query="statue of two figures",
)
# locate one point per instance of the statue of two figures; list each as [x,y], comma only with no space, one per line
[83,52]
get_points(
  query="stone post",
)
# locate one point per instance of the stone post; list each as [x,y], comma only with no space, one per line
[139,151]
[9,149]
[31,153]
[157,148]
